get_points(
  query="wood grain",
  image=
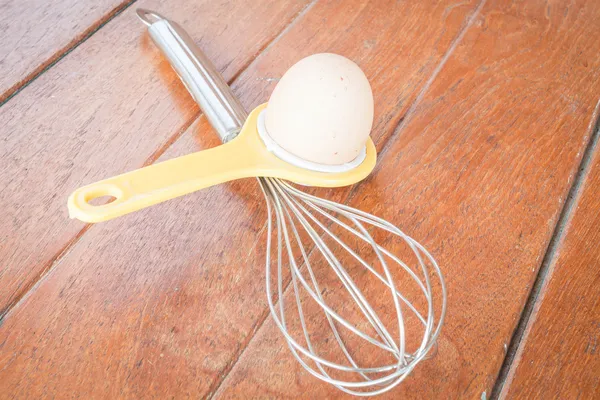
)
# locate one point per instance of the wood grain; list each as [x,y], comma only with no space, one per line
[161,302]
[34,34]
[110,106]
[479,175]
[559,357]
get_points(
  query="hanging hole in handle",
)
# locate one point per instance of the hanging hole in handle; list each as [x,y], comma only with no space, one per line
[102,195]
[102,200]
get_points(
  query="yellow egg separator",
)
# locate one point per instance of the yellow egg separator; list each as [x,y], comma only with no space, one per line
[244,156]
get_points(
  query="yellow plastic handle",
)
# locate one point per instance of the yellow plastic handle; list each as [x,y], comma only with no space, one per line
[243,157]
[163,181]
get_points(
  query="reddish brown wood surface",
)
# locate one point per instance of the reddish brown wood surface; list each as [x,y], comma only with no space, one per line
[33,34]
[479,173]
[169,302]
[112,105]
[172,280]
[559,357]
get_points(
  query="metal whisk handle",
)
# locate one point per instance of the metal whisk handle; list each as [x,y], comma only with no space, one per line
[198,74]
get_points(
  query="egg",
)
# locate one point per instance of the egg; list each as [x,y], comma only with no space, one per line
[321,110]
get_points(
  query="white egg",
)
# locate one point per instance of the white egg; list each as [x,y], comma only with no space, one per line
[321,110]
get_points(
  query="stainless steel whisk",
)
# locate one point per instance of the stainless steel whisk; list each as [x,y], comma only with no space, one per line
[381,359]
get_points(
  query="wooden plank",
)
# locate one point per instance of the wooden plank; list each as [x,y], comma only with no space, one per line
[479,175]
[162,289]
[558,356]
[35,34]
[110,106]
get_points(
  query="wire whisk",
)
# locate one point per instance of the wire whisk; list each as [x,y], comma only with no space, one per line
[294,213]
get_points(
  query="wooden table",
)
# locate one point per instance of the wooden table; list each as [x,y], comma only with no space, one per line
[486,128]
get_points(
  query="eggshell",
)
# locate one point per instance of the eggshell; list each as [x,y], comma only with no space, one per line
[321,110]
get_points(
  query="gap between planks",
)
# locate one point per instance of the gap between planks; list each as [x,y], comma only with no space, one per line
[396,131]
[547,267]
[62,53]
[30,286]
[16,89]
